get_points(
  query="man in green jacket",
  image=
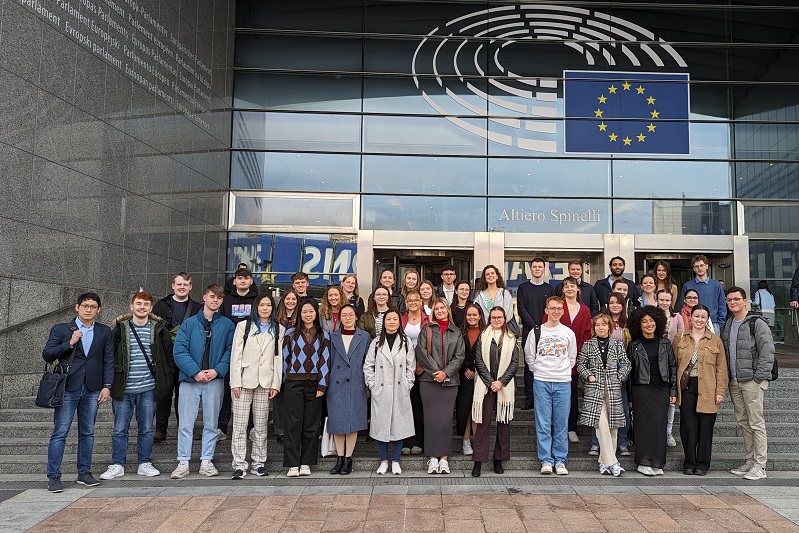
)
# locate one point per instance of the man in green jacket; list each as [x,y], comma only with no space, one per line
[143,373]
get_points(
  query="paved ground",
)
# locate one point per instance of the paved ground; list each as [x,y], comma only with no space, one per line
[523,501]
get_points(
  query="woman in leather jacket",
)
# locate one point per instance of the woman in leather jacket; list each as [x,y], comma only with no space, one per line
[653,386]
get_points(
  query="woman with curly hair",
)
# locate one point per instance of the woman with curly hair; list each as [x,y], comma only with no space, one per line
[653,386]
[332,301]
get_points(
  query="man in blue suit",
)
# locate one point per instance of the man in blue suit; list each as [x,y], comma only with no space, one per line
[88,385]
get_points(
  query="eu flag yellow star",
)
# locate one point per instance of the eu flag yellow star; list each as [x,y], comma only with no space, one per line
[602,99]
[627,141]
[641,137]
[603,126]
[655,114]
[598,113]
[640,89]
[650,100]
[612,89]
[651,127]
[626,85]
[613,137]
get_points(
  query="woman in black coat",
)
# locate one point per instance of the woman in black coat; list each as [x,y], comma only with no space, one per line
[653,386]
[472,327]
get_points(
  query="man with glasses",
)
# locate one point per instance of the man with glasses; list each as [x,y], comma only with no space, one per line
[749,347]
[89,348]
[551,361]
[447,287]
[710,291]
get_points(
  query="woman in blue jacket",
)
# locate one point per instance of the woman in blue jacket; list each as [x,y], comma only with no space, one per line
[346,394]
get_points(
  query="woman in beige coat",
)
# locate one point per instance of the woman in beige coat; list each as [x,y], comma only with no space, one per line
[256,372]
[700,355]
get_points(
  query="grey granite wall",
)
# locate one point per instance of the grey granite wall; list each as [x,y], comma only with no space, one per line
[114,157]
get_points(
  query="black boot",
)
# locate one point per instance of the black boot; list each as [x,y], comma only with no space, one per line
[498,467]
[339,463]
[476,469]
[347,468]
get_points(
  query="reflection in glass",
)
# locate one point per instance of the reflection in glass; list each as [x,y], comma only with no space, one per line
[672,217]
[671,179]
[423,135]
[341,54]
[771,219]
[424,175]
[548,177]
[401,96]
[422,213]
[561,215]
[322,212]
[296,92]
[279,171]
[296,131]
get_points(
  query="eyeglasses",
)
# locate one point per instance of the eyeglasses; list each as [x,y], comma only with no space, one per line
[692,297]
[733,300]
[497,318]
[555,309]
[89,307]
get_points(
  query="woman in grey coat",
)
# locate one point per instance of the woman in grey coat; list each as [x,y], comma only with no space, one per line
[346,390]
[603,365]
[440,352]
[389,373]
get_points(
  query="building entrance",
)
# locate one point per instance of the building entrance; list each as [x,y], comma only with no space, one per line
[428,263]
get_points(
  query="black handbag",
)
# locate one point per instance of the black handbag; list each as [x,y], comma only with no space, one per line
[54,382]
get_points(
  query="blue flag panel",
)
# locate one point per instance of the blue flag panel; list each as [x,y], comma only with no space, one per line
[626,112]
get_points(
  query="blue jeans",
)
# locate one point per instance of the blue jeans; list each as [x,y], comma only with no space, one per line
[621,436]
[85,403]
[144,403]
[396,450]
[552,404]
[191,394]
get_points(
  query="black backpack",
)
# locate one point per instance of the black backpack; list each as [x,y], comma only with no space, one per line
[752,324]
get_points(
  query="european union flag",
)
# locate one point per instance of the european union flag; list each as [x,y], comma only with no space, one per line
[626,112]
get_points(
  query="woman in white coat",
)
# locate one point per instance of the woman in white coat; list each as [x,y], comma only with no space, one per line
[389,373]
[256,372]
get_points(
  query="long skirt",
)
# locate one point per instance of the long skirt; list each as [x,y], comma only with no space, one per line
[439,403]
[650,415]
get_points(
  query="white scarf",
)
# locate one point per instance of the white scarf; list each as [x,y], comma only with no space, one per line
[506,394]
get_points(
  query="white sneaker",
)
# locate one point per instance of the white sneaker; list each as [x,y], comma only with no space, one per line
[432,466]
[546,468]
[181,471]
[603,469]
[743,469]
[573,436]
[594,450]
[616,470]
[207,468]
[294,471]
[646,470]
[305,470]
[383,468]
[148,470]
[560,469]
[467,448]
[395,468]
[443,466]
[113,471]
[220,435]
[670,442]
[755,473]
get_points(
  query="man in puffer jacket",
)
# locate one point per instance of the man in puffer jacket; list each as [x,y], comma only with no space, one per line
[750,358]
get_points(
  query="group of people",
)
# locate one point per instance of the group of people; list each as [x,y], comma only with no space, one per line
[400,364]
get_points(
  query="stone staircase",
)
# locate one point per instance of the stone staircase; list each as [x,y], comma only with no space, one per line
[25,432]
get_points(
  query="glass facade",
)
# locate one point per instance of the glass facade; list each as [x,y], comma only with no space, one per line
[454,116]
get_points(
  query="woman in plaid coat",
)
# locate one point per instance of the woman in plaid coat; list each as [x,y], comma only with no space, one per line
[603,365]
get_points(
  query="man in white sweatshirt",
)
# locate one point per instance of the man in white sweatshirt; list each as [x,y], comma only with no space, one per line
[551,362]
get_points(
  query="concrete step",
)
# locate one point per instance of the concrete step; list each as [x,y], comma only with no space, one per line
[34,465]
[519,444]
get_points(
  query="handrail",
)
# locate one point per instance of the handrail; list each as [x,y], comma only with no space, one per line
[24,323]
